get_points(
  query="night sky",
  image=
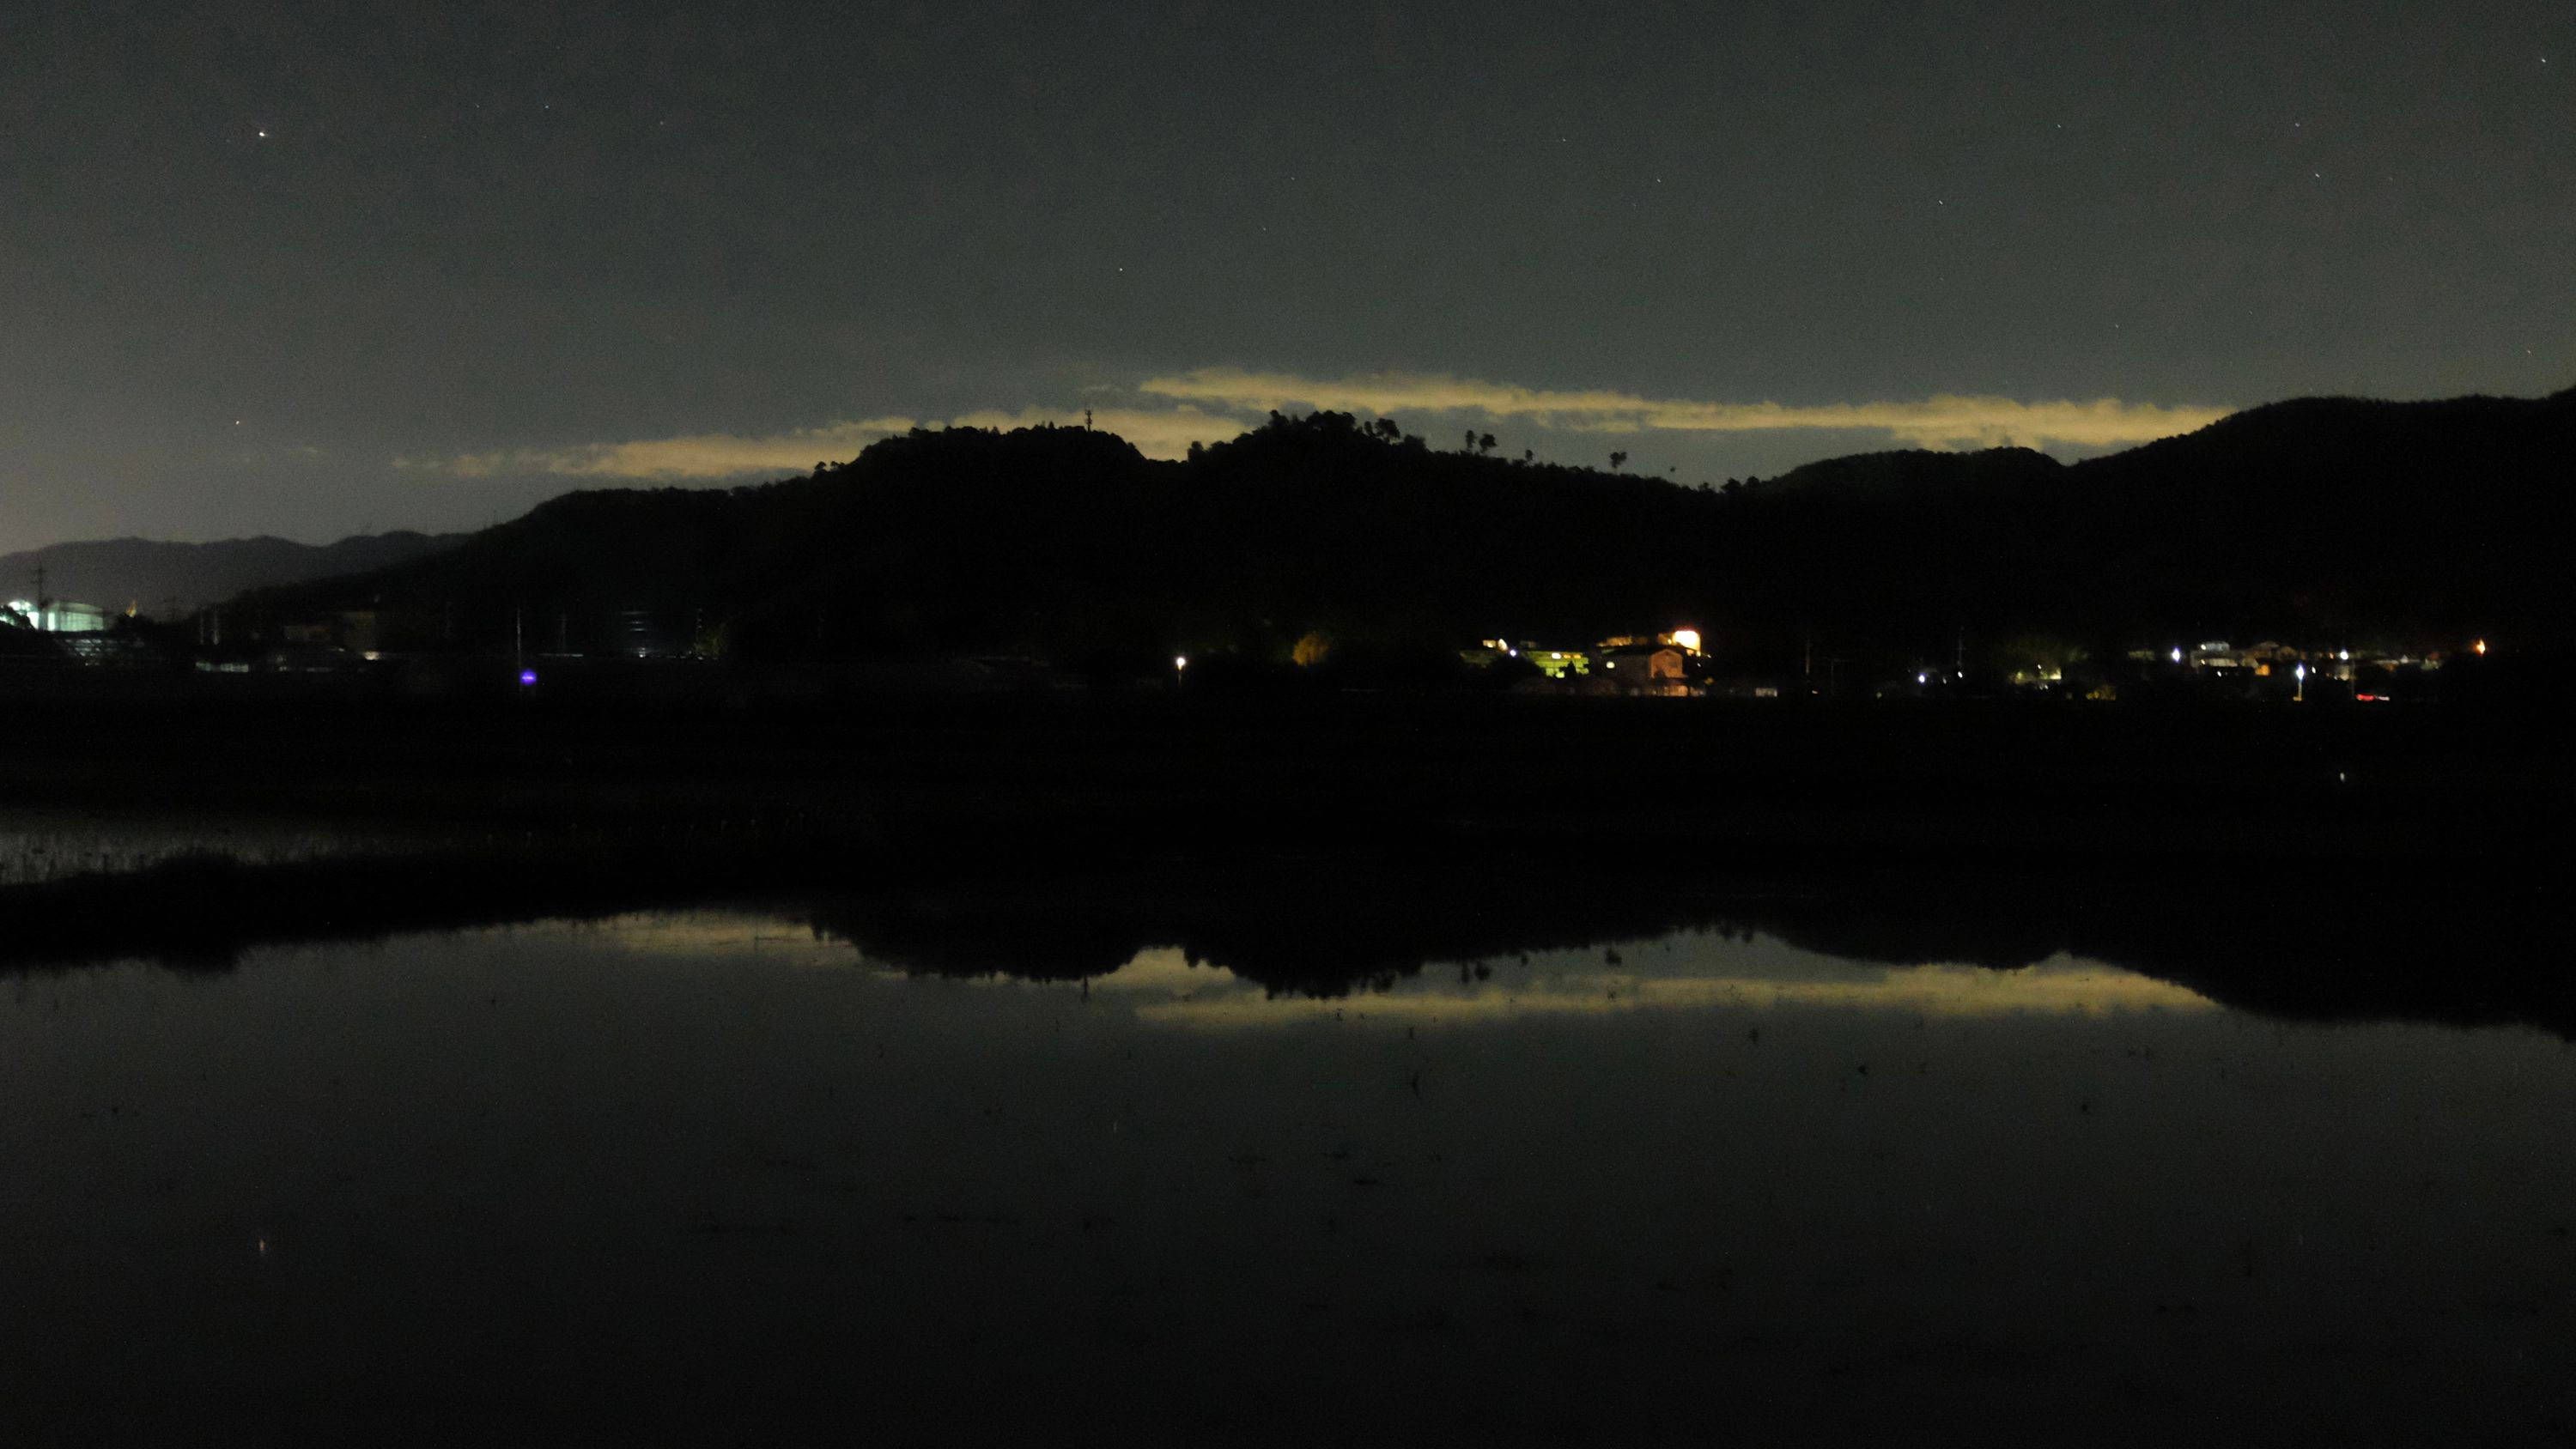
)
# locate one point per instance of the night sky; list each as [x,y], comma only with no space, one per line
[308,268]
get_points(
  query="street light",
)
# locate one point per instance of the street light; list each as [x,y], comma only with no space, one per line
[1180,663]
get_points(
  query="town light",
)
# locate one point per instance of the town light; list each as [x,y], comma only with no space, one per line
[2482,646]
[1180,661]
[2177,654]
[527,676]
[1687,638]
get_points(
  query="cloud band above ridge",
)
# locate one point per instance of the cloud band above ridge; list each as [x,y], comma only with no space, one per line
[1212,404]
[1944,421]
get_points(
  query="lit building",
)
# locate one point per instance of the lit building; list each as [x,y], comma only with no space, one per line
[1646,669]
[1686,640]
[1554,663]
[59,616]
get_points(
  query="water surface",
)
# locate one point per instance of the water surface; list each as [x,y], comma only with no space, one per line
[701,1172]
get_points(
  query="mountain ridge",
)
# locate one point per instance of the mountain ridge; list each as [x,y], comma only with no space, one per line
[113,572]
[2319,518]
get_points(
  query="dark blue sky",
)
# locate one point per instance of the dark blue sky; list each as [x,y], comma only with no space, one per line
[486,252]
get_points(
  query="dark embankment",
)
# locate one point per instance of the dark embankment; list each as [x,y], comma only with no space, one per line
[1212,775]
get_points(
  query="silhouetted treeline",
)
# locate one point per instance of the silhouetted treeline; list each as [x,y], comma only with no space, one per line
[2312,522]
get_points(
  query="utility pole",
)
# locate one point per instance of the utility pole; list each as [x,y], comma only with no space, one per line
[518,638]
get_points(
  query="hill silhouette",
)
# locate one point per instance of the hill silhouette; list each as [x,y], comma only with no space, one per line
[2318,520]
[113,572]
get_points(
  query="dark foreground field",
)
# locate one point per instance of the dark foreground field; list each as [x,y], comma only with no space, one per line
[1355,1068]
[1181,773]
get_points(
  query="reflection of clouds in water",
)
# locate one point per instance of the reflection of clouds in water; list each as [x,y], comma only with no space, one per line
[1681,972]
[2068,990]
[1756,974]
[715,934]
[1167,969]
[1154,971]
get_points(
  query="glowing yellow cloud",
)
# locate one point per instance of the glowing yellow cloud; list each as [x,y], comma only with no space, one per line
[1937,422]
[1158,433]
[1213,404]
[701,455]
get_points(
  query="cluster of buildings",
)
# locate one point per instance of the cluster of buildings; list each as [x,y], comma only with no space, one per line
[1676,666]
[1670,666]
[2213,669]
[58,616]
[45,630]
[2276,670]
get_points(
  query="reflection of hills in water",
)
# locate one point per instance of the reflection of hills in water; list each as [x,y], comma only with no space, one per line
[2309,946]
[2305,949]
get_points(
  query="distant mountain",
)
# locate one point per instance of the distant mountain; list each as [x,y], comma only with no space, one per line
[2316,520]
[2313,521]
[115,572]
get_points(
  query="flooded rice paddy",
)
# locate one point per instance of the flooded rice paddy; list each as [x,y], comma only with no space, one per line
[707,1174]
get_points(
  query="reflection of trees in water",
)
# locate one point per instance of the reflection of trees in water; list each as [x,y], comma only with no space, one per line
[2323,944]
[1309,932]
[2309,946]
[2320,944]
